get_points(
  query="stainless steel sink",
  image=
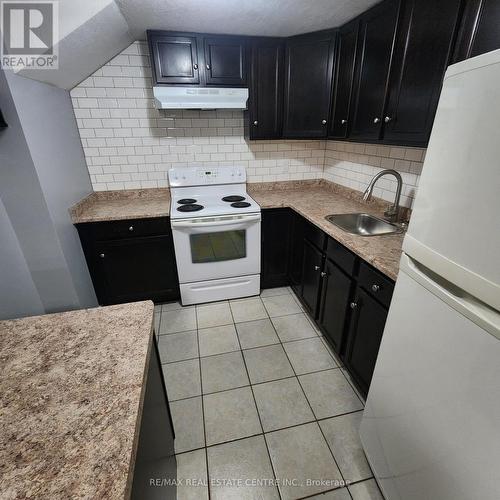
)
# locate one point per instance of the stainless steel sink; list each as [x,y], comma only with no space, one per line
[363,224]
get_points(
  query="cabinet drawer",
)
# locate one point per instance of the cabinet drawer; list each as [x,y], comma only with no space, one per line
[113,230]
[376,284]
[315,235]
[342,257]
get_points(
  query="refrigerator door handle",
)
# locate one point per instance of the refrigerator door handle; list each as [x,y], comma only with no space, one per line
[475,310]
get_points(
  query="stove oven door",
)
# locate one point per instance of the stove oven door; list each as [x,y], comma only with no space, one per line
[209,248]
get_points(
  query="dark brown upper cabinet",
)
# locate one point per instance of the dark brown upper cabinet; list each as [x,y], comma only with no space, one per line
[479,30]
[197,59]
[225,61]
[375,52]
[345,61]
[308,80]
[422,53]
[174,58]
[265,110]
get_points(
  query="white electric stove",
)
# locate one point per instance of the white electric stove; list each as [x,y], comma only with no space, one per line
[216,231]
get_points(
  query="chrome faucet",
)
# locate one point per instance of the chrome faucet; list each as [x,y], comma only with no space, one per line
[392,212]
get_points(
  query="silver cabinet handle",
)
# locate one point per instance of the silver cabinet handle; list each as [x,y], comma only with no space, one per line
[375,288]
[323,274]
[195,66]
[387,119]
[255,122]
[102,255]
[343,122]
[208,66]
[376,120]
[323,122]
[131,228]
[353,305]
[316,268]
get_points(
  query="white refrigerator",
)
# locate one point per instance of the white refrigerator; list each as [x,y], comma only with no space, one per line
[431,426]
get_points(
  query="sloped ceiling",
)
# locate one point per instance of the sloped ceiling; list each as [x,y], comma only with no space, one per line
[92,32]
[245,17]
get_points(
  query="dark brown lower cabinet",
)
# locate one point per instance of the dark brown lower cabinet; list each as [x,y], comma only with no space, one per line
[335,295]
[296,254]
[364,337]
[346,297]
[131,260]
[311,277]
[275,234]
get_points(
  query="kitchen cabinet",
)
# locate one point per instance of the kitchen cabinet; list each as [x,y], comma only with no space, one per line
[197,59]
[479,30]
[311,277]
[275,234]
[375,52]
[345,61]
[308,80]
[131,260]
[336,292]
[346,297]
[364,337]
[155,446]
[263,120]
[422,53]
[174,58]
[225,61]
[297,227]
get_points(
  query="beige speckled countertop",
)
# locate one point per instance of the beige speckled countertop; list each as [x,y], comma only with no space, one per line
[119,205]
[316,201]
[312,199]
[71,394]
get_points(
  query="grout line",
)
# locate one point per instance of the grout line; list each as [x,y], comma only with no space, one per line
[255,402]
[202,406]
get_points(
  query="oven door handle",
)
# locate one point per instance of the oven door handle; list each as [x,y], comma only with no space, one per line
[224,222]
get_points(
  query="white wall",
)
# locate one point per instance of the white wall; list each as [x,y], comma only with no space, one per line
[42,174]
[130,144]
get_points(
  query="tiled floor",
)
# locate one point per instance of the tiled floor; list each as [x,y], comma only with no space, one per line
[262,408]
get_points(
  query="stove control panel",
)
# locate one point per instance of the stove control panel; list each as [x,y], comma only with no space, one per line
[201,176]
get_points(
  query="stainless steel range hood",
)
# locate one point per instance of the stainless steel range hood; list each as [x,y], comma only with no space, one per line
[200,98]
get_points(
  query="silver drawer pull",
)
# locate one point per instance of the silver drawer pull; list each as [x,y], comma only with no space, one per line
[102,255]
[323,274]
[316,268]
[376,120]
[131,228]
[353,305]
[343,122]
[375,288]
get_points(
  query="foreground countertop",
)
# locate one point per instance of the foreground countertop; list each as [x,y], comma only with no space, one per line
[312,199]
[71,395]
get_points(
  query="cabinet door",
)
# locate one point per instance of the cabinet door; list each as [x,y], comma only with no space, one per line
[275,233]
[377,32]
[296,251]
[336,292]
[135,269]
[365,334]
[420,60]
[266,83]
[174,58]
[480,29]
[345,61]
[308,70]
[225,61]
[311,277]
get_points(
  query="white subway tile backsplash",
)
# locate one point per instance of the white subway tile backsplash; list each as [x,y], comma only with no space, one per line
[129,144]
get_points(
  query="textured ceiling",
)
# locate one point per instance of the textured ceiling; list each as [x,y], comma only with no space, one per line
[245,17]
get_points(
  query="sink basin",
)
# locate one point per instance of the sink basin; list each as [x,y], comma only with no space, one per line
[362,224]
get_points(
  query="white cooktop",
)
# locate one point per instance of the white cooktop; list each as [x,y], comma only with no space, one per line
[207,187]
